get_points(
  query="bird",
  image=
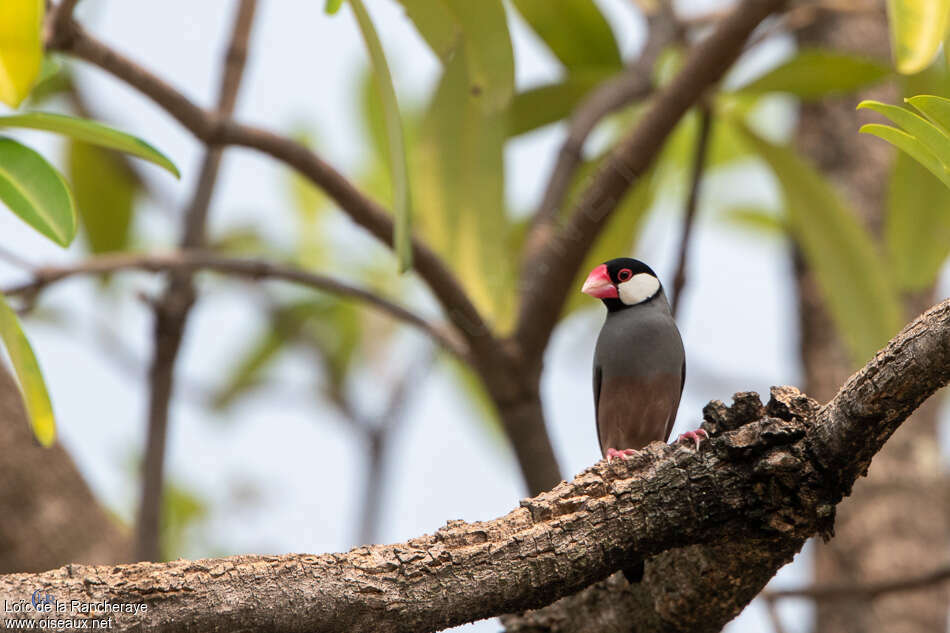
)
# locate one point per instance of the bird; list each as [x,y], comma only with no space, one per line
[639,363]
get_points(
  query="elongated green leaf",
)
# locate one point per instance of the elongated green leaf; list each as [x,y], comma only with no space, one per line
[853,277]
[458,180]
[332,6]
[904,141]
[917,225]
[28,375]
[757,219]
[932,137]
[540,106]
[35,191]
[575,31]
[917,29]
[480,29]
[402,202]
[90,132]
[21,48]
[816,73]
[105,188]
[937,109]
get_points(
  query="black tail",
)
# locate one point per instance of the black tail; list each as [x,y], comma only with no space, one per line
[634,573]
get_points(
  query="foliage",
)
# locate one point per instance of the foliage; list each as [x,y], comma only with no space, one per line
[918,27]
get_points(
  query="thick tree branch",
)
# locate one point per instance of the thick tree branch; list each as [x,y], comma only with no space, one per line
[767,479]
[174,306]
[556,265]
[212,129]
[256,269]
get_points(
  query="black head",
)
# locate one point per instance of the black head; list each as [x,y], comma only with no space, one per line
[623,282]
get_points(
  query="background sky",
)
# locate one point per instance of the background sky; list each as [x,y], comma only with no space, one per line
[281,473]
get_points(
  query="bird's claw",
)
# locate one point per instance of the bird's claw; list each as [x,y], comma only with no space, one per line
[696,436]
[613,452]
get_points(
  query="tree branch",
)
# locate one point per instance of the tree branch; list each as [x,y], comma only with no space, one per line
[863,592]
[555,267]
[214,130]
[189,261]
[173,308]
[692,202]
[766,479]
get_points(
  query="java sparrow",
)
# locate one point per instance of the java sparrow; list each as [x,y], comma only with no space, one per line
[639,361]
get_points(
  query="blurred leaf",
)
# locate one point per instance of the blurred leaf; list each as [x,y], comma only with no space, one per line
[90,132]
[402,203]
[854,279]
[757,219]
[105,189]
[29,377]
[21,48]
[923,140]
[917,226]
[241,240]
[459,196]
[917,29]
[332,6]
[249,367]
[53,81]
[911,145]
[542,105]
[331,327]
[478,31]
[182,510]
[816,73]
[575,31]
[35,191]
[726,143]
[473,390]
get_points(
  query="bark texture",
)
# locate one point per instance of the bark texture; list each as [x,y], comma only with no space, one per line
[769,478]
[50,516]
[895,524]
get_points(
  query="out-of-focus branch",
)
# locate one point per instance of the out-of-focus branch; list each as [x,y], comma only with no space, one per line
[556,264]
[862,592]
[255,269]
[692,202]
[634,83]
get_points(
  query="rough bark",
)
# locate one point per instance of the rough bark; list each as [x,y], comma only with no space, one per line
[768,479]
[50,516]
[895,524]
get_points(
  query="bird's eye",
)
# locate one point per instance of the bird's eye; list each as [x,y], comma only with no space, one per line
[625,274]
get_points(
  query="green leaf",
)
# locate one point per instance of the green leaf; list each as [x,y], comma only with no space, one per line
[247,371]
[937,109]
[28,375]
[854,278]
[917,30]
[542,105]
[575,31]
[332,6]
[104,187]
[762,221]
[816,73]
[917,225]
[35,191]
[480,31]
[459,190]
[90,132]
[394,136]
[904,141]
[21,48]
[926,133]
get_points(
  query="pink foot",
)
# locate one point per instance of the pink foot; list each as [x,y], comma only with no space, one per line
[613,452]
[697,436]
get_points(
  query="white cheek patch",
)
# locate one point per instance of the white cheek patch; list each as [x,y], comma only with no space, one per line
[638,288]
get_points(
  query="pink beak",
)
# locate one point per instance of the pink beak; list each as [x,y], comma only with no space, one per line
[598,284]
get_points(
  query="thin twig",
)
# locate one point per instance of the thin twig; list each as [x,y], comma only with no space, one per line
[59,16]
[173,308]
[863,592]
[692,202]
[774,616]
[190,261]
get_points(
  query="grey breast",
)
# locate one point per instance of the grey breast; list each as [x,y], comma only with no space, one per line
[638,375]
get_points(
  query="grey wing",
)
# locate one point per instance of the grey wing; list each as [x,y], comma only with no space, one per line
[676,405]
[598,379]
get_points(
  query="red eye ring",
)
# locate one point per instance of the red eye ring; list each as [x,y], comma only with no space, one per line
[625,274]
